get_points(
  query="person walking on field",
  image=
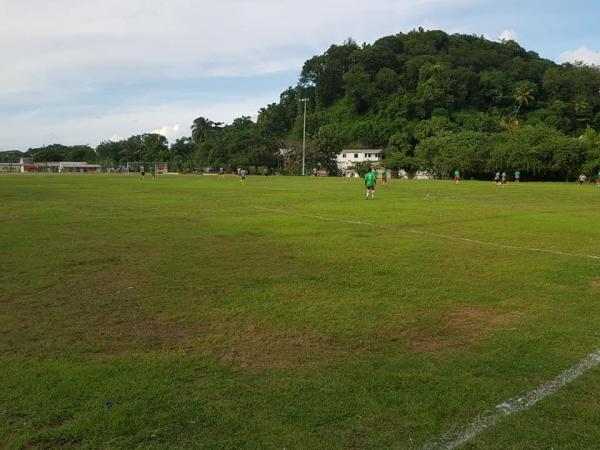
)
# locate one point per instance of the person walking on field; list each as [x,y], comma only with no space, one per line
[142,172]
[456,176]
[243,176]
[517,176]
[370,182]
[598,179]
[497,177]
[504,177]
[384,176]
[153,172]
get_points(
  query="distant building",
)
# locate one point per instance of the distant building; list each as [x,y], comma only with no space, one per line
[347,158]
[26,165]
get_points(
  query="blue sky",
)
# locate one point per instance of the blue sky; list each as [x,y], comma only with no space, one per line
[82,71]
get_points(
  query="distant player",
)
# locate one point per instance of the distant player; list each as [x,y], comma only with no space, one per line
[504,177]
[582,179]
[456,176]
[153,171]
[370,182]
[517,176]
[598,179]
[221,172]
[384,176]
[142,172]
[497,177]
[315,172]
[243,176]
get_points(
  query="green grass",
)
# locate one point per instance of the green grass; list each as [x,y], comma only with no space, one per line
[211,323]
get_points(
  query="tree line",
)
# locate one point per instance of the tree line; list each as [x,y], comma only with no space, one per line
[432,101]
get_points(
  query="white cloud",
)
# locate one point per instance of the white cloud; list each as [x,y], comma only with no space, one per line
[508,35]
[138,119]
[582,54]
[86,42]
[168,131]
[58,52]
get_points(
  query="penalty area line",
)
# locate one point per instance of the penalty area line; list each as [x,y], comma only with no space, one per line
[430,234]
[456,438]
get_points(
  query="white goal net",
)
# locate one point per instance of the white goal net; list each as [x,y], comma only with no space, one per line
[136,166]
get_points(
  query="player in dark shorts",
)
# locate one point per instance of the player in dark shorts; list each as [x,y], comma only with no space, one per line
[370,182]
[142,171]
[456,176]
[384,176]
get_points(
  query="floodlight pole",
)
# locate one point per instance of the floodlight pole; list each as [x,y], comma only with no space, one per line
[305,101]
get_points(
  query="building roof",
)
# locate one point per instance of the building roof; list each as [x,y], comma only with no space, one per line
[355,150]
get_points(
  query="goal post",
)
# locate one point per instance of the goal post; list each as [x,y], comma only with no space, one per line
[160,167]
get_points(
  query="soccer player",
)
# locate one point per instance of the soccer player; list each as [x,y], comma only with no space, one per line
[497,177]
[582,179]
[221,172]
[153,172]
[598,179]
[370,182]
[517,176]
[384,176]
[243,176]
[142,172]
[504,177]
[456,176]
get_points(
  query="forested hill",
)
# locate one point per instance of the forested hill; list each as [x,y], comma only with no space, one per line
[403,91]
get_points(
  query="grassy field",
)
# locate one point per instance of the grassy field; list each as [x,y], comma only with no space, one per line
[292,313]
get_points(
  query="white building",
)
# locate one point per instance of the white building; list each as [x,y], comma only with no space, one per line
[347,158]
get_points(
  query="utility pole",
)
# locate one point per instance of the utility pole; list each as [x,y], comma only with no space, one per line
[305,101]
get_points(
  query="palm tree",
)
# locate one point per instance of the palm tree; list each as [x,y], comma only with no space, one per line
[202,128]
[523,97]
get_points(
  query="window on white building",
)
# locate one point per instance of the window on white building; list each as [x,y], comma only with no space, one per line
[343,155]
[356,155]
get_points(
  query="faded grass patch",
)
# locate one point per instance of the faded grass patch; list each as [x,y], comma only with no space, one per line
[458,329]
[595,283]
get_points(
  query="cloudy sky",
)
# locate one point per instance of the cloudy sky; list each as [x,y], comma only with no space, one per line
[83,71]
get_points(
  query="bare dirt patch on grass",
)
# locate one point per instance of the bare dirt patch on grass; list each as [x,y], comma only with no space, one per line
[595,283]
[458,329]
[260,347]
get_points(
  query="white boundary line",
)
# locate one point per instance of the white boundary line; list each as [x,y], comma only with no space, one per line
[454,439]
[430,234]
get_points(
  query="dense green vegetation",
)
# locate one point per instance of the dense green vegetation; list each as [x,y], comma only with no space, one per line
[194,312]
[433,101]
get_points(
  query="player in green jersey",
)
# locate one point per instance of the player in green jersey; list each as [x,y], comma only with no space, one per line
[384,176]
[504,177]
[370,182]
[598,179]
[456,176]
[517,176]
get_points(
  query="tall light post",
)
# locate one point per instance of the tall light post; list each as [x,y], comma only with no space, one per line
[305,101]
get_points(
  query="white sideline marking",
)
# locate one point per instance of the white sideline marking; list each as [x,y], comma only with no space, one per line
[456,438]
[430,234]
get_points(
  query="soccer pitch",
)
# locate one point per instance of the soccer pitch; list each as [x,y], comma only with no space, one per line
[292,313]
